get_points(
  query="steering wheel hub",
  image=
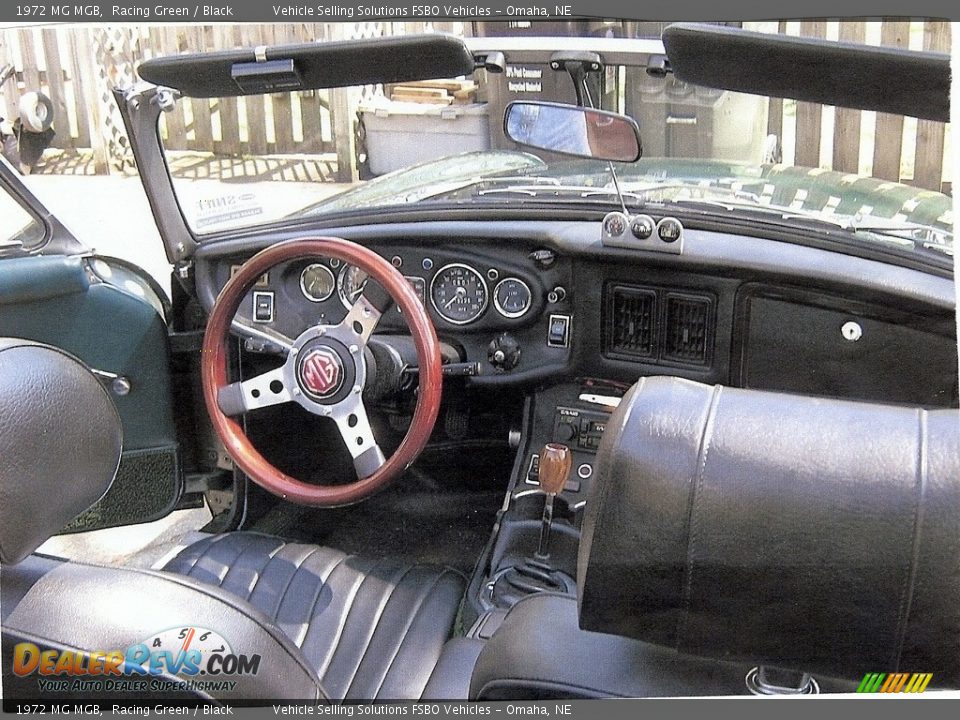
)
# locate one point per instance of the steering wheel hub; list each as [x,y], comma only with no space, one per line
[320,372]
[326,366]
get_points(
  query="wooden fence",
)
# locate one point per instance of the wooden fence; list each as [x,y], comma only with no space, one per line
[76,66]
[885,150]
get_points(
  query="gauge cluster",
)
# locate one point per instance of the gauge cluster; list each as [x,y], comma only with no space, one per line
[505,309]
[470,293]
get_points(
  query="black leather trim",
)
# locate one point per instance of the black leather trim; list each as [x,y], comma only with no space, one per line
[451,677]
[16,580]
[60,440]
[807,533]
[370,628]
[91,608]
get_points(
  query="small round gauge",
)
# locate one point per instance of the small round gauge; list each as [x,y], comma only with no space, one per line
[350,284]
[317,282]
[669,229]
[201,642]
[615,224]
[458,293]
[642,227]
[512,297]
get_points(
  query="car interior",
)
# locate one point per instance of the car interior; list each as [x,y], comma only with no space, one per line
[484,451]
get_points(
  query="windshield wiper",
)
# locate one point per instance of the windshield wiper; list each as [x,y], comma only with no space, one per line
[693,190]
[932,238]
[638,194]
[927,236]
[580,191]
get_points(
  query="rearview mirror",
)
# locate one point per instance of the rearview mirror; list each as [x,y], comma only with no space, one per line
[572,130]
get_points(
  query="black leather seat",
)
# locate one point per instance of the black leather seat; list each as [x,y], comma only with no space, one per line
[734,534]
[370,628]
[326,625]
[806,533]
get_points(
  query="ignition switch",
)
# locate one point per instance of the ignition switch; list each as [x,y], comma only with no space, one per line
[504,353]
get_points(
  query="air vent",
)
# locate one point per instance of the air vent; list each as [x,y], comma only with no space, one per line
[689,323]
[631,322]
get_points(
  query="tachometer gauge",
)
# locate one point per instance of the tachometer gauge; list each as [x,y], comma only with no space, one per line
[512,297]
[350,284]
[458,293]
[317,282]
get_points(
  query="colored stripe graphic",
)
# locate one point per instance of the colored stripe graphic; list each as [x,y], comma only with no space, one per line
[891,682]
[871,682]
[894,682]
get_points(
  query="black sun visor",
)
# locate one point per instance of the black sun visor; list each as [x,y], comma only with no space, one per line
[864,77]
[310,66]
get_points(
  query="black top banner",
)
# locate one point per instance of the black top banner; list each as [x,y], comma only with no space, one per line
[262,11]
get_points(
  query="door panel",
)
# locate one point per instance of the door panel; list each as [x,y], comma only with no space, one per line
[114,330]
[111,318]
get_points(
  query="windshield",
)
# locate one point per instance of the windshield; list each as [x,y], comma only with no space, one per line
[255,160]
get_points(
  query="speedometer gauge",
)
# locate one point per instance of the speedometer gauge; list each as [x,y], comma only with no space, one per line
[458,293]
[350,284]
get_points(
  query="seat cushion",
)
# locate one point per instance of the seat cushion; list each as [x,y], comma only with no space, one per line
[372,628]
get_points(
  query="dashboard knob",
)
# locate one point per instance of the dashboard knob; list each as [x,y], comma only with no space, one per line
[504,353]
[566,432]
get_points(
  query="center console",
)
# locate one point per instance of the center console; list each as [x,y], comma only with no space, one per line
[536,538]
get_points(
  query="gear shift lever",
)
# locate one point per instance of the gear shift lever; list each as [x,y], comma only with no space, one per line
[555,463]
[536,574]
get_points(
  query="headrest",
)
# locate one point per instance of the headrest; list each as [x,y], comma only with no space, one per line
[804,533]
[60,443]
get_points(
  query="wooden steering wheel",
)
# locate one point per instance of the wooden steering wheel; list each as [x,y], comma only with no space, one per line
[324,372]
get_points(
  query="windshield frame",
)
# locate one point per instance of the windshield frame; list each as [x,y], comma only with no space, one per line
[189,239]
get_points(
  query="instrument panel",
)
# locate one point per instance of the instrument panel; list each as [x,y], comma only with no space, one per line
[505,308]
[465,294]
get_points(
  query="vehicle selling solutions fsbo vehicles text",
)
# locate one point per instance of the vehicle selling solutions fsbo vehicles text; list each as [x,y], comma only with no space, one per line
[472,11]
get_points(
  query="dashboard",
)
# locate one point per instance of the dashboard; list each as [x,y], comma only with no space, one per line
[537,302]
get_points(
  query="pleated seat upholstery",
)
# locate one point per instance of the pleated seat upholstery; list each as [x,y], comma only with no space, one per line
[371,628]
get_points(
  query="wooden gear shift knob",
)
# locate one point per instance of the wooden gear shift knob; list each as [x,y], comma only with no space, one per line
[555,463]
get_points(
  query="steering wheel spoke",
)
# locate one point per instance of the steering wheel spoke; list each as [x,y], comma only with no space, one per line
[362,318]
[261,391]
[366,312]
[354,426]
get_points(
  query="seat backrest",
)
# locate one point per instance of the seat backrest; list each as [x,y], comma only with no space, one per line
[813,534]
[60,443]
[77,609]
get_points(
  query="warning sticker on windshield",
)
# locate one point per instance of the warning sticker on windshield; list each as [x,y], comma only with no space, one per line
[227,208]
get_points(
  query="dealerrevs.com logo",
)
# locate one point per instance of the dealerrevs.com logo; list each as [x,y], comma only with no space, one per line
[183,658]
